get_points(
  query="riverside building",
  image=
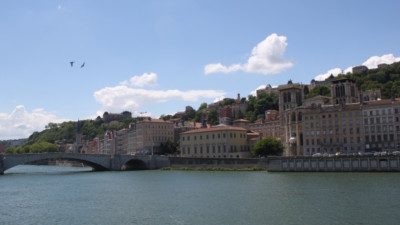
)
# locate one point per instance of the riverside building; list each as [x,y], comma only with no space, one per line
[339,123]
[216,142]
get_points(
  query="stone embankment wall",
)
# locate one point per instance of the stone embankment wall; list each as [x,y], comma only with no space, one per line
[177,162]
[335,164]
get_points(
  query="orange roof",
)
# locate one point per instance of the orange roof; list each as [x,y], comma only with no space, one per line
[155,121]
[211,129]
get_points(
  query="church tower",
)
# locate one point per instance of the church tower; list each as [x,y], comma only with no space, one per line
[344,91]
[291,98]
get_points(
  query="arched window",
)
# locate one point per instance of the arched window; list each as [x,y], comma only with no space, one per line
[300,116]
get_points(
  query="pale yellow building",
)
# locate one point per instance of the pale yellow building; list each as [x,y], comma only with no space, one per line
[216,142]
[150,133]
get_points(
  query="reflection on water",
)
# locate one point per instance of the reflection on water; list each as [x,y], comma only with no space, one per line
[49,195]
[29,169]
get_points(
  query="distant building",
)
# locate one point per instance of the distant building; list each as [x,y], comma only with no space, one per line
[2,149]
[270,126]
[382,65]
[216,142]
[150,133]
[359,69]
[94,146]
[381,125]
[346,122]
[327,81]
[242,123]
[344,91]
[108,117]
[371,95]
[225,115]
[333,128]
[182,126]
[268,90]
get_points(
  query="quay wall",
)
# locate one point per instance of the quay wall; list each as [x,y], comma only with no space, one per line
[235,163]
[335,164]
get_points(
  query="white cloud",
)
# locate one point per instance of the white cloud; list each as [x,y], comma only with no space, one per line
[122,97]
[218,99]
[348,70]
[371,63]
[254,92]
[334,72]
[374,61]
[146,79]
[21,123]
[219,68]
[266,58]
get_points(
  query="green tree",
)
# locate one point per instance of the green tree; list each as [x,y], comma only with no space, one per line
[239,115]
[227,101]
[11,150]
[268,146]
[41,147]
[169,147]
[202,106]
[324,90]
[212,117]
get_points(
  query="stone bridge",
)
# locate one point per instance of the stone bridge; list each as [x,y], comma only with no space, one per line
[96,161]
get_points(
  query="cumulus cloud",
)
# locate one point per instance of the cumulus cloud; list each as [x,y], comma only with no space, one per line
[371,63]
[20,123]
[219,68]
[334,72]
[218,99]
[266,58]
[374,61]
[254,92]
[146,79]
[122,97]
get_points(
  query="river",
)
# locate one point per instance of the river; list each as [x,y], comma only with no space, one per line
[65,195]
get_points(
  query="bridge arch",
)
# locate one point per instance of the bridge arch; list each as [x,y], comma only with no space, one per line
[97,162]
[134,164]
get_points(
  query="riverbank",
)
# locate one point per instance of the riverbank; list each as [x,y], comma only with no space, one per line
[214,169]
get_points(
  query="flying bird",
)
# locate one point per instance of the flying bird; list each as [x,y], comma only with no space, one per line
[83,65]
[72,63]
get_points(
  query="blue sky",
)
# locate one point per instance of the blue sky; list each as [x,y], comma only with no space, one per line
[159,56]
